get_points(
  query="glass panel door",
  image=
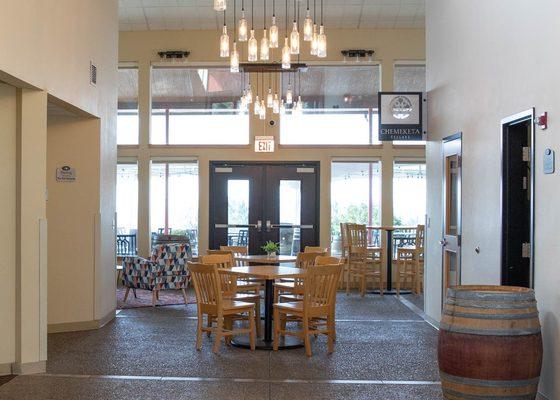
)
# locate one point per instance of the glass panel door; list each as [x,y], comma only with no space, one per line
[238,212]
[290,214]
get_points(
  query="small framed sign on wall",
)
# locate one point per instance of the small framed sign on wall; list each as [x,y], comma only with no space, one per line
[401,116]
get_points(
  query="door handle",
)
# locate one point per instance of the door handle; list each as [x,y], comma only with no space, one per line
[268,225]
[259,225]
[443,242]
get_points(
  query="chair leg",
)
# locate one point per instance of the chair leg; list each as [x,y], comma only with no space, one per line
[252,328]
[185,297]
[362,285]
[157,295]
[134,292]
[332,334]
[306,337]
[218,338]
[199,332]
[398,274]
[348,281]
[208,324]
[154,298]
[126,294]
[258,316]
[276,329]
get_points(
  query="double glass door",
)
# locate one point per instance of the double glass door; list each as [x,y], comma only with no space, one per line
[252,203]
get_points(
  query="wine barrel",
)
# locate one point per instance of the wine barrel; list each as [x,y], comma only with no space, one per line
[490,344]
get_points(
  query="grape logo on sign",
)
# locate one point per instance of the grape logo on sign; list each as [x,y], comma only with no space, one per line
[401,107]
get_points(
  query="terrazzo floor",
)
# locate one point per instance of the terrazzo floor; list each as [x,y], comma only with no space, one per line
[383,351]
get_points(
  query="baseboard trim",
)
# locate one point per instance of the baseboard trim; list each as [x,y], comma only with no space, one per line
[82,325]
[37,367]
[6,369]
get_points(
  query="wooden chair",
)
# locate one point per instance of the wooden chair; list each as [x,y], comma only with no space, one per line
[295,287]
[243,285]
[230,283]
[315,249]
[363,262]
[328,260]
[318,303]
[410,263]
[210,302]
[236,251]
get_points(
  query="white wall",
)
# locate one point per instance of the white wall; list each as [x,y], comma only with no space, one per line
[487,60]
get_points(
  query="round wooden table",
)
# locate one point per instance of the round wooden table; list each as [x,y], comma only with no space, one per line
[264,259]
[268,273]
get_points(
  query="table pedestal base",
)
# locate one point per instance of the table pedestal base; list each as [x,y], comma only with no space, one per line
[288,342]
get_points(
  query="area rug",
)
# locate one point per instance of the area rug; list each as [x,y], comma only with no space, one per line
[144,298]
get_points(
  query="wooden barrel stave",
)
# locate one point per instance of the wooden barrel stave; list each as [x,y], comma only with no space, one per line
[490,345]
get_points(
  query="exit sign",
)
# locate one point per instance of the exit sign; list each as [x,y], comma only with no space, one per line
[264,144]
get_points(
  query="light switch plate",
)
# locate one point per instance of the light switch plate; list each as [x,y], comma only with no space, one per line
[548,161]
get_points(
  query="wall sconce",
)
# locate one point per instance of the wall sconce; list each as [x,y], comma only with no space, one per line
[357,54]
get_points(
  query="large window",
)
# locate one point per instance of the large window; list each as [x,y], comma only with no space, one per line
[409,78]
[409,193]
[127,117]
[340,106]
[127,208]
[197,106]
[355,196]
[174,200]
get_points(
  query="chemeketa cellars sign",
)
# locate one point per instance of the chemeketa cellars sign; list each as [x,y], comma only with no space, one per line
[400,116]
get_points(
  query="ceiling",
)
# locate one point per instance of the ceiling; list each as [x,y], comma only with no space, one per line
[140,15]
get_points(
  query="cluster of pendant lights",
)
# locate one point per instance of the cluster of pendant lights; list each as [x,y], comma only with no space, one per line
[270,40]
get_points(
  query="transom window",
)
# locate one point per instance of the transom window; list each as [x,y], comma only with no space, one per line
[127,116]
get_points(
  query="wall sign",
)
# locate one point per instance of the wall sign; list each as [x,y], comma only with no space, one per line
[264,144]
[65,174]
[400,116]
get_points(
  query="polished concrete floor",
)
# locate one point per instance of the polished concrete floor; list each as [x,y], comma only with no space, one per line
[383,351]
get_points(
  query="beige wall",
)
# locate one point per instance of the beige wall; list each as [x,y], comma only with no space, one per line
[486,61]
[46,48]
[142,47]
[8,226]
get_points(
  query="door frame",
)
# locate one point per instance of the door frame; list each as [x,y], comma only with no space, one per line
[303,164]
[455,136]
[527,115]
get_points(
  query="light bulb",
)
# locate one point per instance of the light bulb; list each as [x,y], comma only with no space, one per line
[314,41]
[286,56]
[269,98]
[224,43]
[257,108]
[220,5]
[322,43]
[253,47]
[249,94]
[282,107]
[265,49]
[243,104]
[308,28]
[234,60]
[294,40]
[242,31]
[289,96]
[276,104]
[262,111]
[273,34]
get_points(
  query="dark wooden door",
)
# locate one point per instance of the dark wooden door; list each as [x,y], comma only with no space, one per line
[251,203]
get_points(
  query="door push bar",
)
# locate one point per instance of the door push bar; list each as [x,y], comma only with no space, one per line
[258,225]
[270,226]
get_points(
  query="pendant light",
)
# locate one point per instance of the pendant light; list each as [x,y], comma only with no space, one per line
[289,93]
[243,29]
[234,60]
[220,5]
[322,38]
[262,110]
[257,108]
[249,94]
[282,107]
[253,45]
[276,104]
[273,42]
[265,47]
[224,40]
[269,99]
[308,26]
[315,35]
[286,53]
[294,36]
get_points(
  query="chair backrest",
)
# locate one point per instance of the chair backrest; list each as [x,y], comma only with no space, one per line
[173,257]
[328,260]
[236,252]
[315,249]
[206,281]
[220,260]
[419,241]
[357,235]
[320,286]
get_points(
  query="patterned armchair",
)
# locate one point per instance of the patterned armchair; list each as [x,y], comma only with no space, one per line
[166,270]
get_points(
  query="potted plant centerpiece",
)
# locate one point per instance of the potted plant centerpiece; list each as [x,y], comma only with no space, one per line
[272,249]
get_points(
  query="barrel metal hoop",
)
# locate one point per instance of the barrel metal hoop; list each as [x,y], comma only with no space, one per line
[490,332]
[479,304]
[491,316]
[486,397]
[503,296]
[488,383]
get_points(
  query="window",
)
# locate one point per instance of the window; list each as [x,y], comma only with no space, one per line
[355,197]
[409,78]
[409,193]
[127,116]
[193,106]
[340,106]
[127,208]
[174,200]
